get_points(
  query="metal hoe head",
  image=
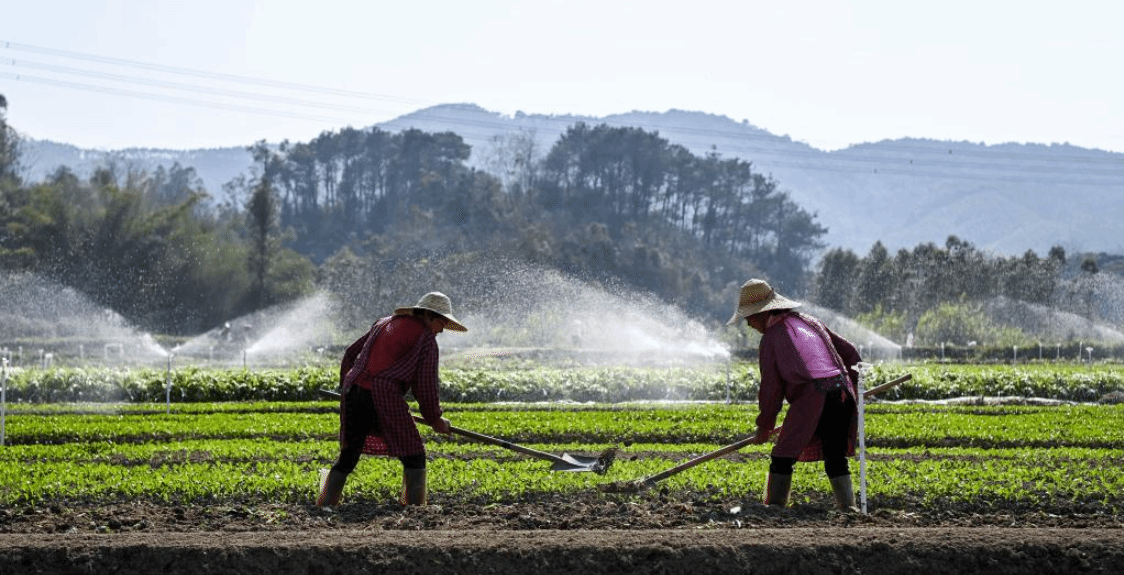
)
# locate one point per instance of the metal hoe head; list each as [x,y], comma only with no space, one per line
[599,464]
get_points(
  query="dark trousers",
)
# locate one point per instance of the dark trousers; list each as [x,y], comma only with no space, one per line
[833,429]
[359,420]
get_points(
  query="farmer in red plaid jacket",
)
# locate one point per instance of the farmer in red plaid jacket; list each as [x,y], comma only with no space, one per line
[398,355]
[808,365]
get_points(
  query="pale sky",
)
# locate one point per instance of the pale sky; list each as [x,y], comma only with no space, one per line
[111,74]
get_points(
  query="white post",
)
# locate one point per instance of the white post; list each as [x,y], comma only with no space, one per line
[168,386]
[3,397]
[862,368]
[727,381]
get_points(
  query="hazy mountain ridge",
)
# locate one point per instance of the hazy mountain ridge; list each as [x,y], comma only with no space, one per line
[1006,198]
[215,166]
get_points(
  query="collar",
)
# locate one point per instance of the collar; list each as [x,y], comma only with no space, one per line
[775,319]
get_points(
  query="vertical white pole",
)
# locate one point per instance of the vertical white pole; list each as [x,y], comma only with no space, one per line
[168,386]
[3,398]
[863,368]
[727,381]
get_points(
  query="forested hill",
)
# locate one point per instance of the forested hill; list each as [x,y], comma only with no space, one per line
[364,212]
[1005,199]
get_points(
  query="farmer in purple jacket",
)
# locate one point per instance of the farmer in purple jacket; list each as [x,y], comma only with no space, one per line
[805,363]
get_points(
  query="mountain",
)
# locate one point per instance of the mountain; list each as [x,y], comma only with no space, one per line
[215,166]
[1005,198]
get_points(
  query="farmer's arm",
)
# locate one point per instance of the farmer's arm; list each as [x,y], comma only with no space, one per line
[426,385]
[351,355]
[770,396]
[847,351]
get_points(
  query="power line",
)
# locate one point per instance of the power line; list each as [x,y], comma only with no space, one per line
[818,165]
[188,87]
[192,72]
[165,98]
[925,156]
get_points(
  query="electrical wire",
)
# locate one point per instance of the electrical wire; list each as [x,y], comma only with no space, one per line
[894,159]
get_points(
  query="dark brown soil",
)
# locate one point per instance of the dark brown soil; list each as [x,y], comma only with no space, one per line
[588,533]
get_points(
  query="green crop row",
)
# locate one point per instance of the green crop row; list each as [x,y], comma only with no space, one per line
[1032,457]
[736,382]
[1032,479]
[888,425]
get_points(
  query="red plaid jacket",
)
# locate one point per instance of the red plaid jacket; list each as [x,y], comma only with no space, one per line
[413,368]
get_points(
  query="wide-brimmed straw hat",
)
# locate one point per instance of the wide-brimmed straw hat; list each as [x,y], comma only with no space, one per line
[755,297]
[437,303]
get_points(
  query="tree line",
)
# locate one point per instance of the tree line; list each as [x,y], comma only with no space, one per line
[606,204]
[943,294]
[602,203]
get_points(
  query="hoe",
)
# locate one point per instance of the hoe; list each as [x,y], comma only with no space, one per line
[564,462]
[639,485]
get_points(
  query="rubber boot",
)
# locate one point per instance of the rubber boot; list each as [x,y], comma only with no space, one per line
[331,486]
[413,487]
[844,493]
[777,488]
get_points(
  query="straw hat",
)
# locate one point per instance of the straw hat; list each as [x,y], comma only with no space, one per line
[756,296]
[437,303]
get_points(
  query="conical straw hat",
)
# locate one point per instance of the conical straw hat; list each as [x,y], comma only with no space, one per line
[437,303]
[755,297]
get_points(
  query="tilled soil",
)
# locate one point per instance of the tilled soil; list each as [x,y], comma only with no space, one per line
[574,534]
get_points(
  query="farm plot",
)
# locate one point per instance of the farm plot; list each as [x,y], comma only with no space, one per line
[215,469]
[923,459]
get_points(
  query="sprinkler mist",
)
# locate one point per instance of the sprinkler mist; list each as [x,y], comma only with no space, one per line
[518,309]
[64,325]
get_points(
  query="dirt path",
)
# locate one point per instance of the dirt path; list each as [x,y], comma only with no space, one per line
[868,550]
[569,535]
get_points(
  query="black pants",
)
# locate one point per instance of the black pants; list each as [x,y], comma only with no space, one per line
[360,419]
[833,429]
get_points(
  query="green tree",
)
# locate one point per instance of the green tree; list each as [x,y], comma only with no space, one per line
[836,280]
[264,239]
[9,151]
[874,285]
[962,323]
[278,274]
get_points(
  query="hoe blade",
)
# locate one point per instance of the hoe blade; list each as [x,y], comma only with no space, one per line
[599,464]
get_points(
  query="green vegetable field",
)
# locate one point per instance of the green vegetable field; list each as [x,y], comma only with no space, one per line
[260,438]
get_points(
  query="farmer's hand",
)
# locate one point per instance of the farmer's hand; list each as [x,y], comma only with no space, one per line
[761,436]
[443,426]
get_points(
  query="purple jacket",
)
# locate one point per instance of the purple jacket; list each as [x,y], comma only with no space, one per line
[785,376]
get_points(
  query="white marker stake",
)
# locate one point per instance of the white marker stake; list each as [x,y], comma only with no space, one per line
[3,397]
[168,386]
[863,368]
